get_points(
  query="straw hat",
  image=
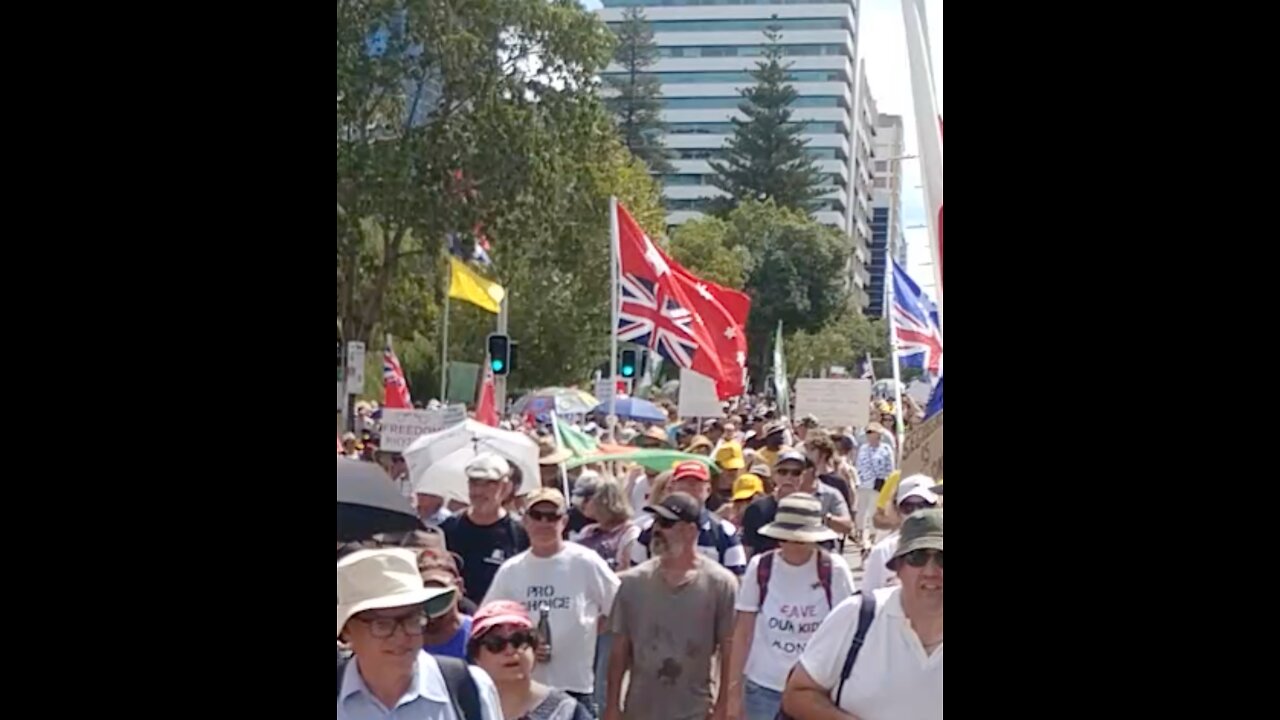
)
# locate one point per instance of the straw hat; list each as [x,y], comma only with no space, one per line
[380,579]
[799,519]
[549,454]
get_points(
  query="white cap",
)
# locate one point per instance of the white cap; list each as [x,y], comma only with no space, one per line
[920,486]
[488,466]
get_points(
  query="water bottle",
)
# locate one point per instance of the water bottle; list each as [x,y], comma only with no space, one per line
[544,629]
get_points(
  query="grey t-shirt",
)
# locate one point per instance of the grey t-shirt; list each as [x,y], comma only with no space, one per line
[674,632]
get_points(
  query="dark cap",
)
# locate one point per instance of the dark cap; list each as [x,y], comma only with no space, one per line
[678,507]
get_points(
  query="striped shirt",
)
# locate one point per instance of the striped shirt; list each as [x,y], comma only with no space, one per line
[724,546]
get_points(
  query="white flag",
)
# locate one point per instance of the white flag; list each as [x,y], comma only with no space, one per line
[928,128]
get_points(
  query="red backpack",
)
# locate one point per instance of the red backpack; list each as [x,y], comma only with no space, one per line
[765,569]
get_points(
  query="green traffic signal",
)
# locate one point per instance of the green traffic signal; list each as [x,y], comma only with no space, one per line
[496,365]
[628,364]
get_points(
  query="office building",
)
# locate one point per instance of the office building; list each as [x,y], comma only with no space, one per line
[707,49]
[887,237]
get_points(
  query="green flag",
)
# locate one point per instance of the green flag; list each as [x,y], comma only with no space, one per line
[576,441]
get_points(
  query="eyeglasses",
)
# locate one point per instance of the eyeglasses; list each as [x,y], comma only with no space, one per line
[384,627]
[498,643]
[542,516]
[920,558]
[796,472]
[907,508]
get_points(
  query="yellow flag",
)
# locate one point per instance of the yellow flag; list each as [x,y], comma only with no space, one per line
[465,285]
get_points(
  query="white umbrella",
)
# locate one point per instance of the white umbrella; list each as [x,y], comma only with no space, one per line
[437,461]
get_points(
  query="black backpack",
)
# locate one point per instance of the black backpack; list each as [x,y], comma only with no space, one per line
[457,678]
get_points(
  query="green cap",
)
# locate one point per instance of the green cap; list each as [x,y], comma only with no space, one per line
[922,530]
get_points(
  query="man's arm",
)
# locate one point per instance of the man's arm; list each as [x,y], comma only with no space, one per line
[805,698]
[744,632]
[842,524]
[726,675]
[619,663]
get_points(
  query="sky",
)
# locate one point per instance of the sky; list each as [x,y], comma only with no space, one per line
[884,48]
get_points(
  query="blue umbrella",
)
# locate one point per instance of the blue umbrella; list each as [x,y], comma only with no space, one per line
[632,408]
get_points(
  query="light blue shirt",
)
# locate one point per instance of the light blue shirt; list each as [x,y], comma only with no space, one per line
[426,699]
[874,463]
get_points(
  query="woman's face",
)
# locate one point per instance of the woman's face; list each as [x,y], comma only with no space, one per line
[513,660]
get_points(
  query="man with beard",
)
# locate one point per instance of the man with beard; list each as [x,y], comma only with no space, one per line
[671,615]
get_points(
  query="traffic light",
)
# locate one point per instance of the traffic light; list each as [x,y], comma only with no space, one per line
[512,364]
[627,367]
[499,354]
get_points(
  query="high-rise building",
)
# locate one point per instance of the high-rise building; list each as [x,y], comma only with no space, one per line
[887,238]
[707,49]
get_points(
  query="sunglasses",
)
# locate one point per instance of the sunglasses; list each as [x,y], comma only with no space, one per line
[665,523]
[498,643]
[920,558]
[907,508]
[543,516]
[795,472]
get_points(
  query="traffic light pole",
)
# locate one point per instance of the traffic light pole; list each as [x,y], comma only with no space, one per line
[500,381]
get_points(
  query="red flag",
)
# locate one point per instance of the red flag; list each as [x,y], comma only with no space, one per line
[678,315]
[395,390]
[486,408]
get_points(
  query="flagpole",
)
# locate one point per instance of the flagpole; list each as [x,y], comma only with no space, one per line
[444,344]
[614,243]
[899,434]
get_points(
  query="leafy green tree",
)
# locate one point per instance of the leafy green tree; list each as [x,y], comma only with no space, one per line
[702,247]
[453,116]
[636,101]
[765,157]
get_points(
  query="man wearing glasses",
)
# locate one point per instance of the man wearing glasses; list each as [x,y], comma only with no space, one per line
[793,473]
[568,590]
[383,608]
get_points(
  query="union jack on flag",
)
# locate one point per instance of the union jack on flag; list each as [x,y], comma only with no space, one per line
[649,316]
[915,321]
[395,389]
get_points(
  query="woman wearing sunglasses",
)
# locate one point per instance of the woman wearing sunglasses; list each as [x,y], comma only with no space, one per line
[503,643]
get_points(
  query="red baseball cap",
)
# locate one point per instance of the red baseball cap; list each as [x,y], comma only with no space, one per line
[691,469]
[499,612]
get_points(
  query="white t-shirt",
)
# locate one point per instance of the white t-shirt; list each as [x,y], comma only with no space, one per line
[877,575]
[578,587]
[793,608]
[892,678]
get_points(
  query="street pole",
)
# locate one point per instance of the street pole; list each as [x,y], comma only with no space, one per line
[500,381]
[444,348]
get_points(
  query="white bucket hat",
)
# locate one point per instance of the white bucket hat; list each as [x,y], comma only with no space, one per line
[380,579]
[799,519]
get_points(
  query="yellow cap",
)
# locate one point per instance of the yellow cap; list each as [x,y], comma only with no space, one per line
[747,486]
[729,456]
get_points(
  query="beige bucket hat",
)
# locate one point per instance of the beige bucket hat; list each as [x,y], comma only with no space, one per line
[380,579]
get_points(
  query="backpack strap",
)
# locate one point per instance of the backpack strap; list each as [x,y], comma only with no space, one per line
[763,570]
[342,670]
[824,574]
[866,613]
[462,687]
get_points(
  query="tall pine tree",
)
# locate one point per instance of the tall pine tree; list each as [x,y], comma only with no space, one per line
[637,104]
[766,156]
